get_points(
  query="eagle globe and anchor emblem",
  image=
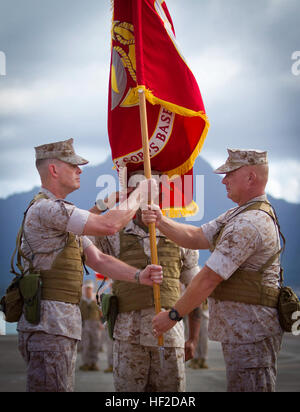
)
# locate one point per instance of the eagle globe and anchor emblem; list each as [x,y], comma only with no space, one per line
[123,33]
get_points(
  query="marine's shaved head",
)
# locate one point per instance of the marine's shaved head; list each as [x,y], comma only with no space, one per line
[262,173]
[43,167]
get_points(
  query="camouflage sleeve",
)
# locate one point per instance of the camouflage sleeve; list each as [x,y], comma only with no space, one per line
[77,221]
[62,216]
[110,245]
[239,241]
[211,228]
[86,242]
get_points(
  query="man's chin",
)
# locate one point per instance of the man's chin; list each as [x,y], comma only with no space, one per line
[232,198]
[229,196]
[76,186]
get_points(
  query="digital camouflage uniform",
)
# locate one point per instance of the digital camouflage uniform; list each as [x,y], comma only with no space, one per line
[109,350]
[91,332]
[201,353]
[136,360]
[250,334]
[49,348]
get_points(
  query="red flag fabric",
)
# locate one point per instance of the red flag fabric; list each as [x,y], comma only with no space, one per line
[145,54]
[99,276]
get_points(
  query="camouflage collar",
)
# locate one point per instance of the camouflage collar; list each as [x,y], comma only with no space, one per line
[52,196]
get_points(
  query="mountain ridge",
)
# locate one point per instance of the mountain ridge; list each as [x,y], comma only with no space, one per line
[215,203]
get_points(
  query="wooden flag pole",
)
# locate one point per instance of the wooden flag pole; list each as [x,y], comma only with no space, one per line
[148,175]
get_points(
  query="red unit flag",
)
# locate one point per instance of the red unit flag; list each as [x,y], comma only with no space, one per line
[145,54]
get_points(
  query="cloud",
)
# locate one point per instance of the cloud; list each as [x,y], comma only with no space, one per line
[284,180]
[52,90]
[250,93]
[214,71]
[56,83]
[58,55]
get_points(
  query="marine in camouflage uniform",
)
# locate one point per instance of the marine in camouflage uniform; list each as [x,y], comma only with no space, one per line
[201,355]
[54,340]
[53,241]
[250,334]
[136,358]
[241,276]
[92,329]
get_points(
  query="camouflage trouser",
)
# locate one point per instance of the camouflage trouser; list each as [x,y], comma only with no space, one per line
[90,342]
[109,348]
[137,369]
[50,361]
[252,367]
[202,347]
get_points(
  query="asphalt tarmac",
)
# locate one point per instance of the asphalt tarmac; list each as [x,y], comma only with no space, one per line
[13,370]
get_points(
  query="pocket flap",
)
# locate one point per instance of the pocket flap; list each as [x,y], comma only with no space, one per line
[105,303]
[29,285]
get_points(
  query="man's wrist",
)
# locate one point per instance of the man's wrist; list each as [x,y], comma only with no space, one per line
[137,277]
[160,223]
[174,315]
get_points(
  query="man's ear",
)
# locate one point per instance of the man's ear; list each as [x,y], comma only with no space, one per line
[252,177]
[52,167]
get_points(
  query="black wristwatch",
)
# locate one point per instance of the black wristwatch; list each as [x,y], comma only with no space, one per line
[174,315]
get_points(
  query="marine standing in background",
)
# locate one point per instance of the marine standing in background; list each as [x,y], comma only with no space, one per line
[241,276]
[201,355]
[92,328]
[136,358]
[53,240]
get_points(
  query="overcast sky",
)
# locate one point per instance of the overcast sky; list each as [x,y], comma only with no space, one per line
[57,67]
